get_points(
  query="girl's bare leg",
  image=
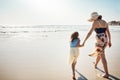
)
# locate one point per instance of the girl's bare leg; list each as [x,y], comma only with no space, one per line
[73,69]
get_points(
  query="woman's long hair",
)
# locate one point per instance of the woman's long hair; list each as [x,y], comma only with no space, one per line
[99,17]
[74,36]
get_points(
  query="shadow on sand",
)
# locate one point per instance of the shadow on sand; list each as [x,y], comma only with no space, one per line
[111,77]
[81,77]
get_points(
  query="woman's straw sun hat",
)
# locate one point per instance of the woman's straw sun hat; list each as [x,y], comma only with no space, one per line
[94,16]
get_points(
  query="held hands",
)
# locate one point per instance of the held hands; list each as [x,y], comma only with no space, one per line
[82,44]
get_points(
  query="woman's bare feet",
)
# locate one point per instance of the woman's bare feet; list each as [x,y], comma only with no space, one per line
[95,65]
[105,76]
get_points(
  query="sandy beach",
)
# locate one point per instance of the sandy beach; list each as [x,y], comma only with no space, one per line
[44,56]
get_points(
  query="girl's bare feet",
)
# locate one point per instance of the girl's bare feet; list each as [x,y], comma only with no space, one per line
[74,77]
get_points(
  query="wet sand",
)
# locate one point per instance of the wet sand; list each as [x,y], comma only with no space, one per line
[31,57]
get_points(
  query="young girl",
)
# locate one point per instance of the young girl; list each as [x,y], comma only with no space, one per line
[74,51]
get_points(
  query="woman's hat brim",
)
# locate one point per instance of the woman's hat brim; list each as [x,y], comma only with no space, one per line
[93,18]
[90,20]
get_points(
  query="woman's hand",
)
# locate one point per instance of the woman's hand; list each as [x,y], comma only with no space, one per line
[109,44]
[83,43]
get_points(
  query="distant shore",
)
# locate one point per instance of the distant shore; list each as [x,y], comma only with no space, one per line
[114,23]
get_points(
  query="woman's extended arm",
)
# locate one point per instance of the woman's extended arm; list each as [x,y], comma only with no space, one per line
[89,33]
[109,36]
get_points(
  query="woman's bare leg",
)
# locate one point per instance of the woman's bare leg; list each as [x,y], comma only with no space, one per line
[97,60]
[104,62]
[73,69]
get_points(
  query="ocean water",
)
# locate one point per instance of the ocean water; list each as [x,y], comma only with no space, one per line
[44,30]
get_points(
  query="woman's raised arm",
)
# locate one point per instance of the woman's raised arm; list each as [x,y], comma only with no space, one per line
[89,33]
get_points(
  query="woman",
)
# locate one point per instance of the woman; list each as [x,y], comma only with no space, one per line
[103,38]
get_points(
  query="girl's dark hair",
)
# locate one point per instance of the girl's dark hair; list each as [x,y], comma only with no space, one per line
[74,36]
[99,17]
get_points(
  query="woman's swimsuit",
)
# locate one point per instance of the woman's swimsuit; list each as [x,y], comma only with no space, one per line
[101,37]
[101,41]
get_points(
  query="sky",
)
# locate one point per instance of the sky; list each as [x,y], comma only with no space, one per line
[56,12]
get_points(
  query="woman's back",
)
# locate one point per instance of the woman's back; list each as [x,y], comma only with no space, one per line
[100,26]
